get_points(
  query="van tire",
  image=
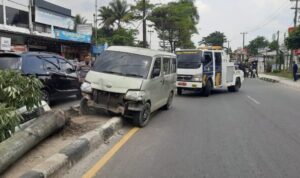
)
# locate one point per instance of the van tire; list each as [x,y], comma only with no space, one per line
[236,87]
[207,89]
[84,108]
[169,102]
[179,91]
[141,119]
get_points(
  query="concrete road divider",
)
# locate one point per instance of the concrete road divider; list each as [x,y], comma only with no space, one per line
[20,143]
[72,153]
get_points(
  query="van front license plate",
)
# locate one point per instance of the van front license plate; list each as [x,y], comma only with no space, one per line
[194,86]
[182,84]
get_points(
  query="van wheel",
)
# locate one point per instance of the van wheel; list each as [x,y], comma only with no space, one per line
[169,102]
[207,89]
[46,96]
[142,118]
[179,91]
[236,87]
[84,108]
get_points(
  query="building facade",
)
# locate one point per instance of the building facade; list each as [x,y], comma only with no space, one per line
[37,25]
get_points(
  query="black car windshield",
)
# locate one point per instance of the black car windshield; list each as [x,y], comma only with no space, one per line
[10,62]
[189,59]
[124,64]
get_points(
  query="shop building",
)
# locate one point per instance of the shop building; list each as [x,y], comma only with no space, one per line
[37,25]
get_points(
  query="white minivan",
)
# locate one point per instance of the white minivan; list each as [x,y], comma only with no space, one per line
[130,81]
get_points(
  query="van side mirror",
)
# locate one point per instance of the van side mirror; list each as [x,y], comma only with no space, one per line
[155,73]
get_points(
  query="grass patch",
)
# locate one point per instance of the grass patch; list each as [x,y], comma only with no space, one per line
[284,74]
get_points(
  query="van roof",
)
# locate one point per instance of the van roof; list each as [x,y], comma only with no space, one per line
[187,50]
[140,51]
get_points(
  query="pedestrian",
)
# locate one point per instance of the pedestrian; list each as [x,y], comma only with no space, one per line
[295,71]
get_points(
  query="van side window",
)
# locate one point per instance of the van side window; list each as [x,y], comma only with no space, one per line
[166,66]
[173,66]
[156,68]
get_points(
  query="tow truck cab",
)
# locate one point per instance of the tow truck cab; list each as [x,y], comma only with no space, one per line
[205,69]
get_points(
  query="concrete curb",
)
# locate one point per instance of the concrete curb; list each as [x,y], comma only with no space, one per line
[269,80]
[72,153]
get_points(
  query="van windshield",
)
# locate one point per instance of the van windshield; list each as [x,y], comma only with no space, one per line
[189,60]
[10,62]
[124,64]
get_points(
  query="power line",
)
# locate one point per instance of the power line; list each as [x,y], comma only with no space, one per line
[271,17]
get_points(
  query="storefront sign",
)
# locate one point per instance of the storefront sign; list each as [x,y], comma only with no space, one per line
[5,44]
[70,36]
[54,19]
[85,29]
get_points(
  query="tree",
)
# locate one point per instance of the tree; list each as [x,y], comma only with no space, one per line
[116,13]
[273,45]
[215,39]
[293,41]
[175,22]
[80,20]
[257,43]
[16,91]
[138,9]
[121,36]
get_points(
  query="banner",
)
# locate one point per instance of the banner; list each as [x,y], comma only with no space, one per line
[86,29]
[70,36]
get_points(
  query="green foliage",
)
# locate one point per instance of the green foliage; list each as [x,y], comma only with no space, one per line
[257,43]
[16,91]
[80,20]
[138,8]
[176,22]
[116,13]
[293,41]
[214,39]
[273,45]
[123,37]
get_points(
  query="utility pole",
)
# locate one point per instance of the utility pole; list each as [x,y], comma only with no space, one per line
[96,20]
[30,4]
[150,34]
[295,25]
[144,25]
[4,12]
[277,53]
[244,34]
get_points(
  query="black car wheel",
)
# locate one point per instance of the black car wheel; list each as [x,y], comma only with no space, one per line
[142,118]
[46,96]
[84,108]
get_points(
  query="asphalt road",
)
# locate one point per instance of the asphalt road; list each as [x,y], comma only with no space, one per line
[252,133]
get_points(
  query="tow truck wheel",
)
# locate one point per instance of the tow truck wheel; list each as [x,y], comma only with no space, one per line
[207,89]
[236,87]
[84,108]
[179,91]
[142,118]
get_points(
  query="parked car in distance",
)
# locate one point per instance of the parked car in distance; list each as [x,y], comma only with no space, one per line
[130,81]
[56,73]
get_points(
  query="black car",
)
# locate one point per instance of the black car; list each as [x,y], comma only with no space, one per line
[55,72]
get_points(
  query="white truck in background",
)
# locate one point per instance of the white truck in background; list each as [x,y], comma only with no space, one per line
[205,69]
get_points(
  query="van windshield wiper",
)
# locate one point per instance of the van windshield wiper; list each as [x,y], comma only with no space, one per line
[112,72]
[134,75]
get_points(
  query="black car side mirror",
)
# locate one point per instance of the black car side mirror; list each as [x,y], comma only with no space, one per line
[69,71]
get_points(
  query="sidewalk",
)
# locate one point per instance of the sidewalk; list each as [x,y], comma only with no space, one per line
[280,80]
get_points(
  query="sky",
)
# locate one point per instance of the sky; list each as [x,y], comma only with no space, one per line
[257,17]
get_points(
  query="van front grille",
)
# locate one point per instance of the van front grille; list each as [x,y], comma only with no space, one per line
[185,78]
[108,99]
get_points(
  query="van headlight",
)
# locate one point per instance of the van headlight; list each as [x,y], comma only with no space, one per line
[135,95]
[197,78]
[86,87]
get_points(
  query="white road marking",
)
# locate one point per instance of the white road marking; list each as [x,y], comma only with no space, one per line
[254,100]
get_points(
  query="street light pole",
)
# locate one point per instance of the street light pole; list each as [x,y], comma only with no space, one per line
[96,20]
[244,34]
[144,25]
[150,34]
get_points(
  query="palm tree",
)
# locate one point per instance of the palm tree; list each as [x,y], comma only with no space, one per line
[117,12]
[80,20]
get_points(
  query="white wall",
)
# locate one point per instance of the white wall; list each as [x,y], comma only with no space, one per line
[17,4]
